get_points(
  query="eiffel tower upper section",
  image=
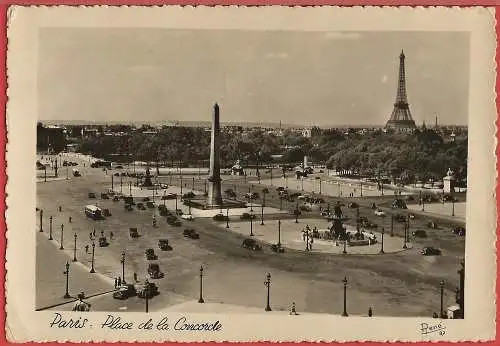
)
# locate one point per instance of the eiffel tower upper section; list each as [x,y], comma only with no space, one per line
[401,118]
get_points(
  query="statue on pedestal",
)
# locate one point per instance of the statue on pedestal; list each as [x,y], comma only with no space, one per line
[147,179]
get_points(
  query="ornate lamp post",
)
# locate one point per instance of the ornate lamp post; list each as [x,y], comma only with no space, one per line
[146,294]
[62,237]
[267,283]
[92,270]
[441,286]
[122,261]
[176,202]
[112,182]
[405,237]
[41,220]
[251,225]
[279,233]
[50,228]
[297,212]
[452,206]
[45,173]
[193,184]
[382,248]
[344,314]
[262,210]
[74,249]
[66,295]
[361,189]
[201,300]
[227,218]
[392,225]
[320,186]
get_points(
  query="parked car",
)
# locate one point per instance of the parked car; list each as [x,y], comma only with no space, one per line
[154,271]
[103,242]
[187,217]
[419,233]
[431,251]
[353,205]
[164,245]
[106,212]
[150,254]
[173,221]
[247,216]
[148,290]
[220,217]
[133,232]
[379,212]
[191,233]
[460,231]
[150,204]
[251,244]
[104,196]
[277,248]
[116,199]
[91,195]
[125,292]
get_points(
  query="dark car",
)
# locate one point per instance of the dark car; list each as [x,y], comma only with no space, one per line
[145,199]
[220,217]
[150,255]
[353,205]
[124,292]
[188,195]
[169,196]
[104,196]
[431,251]
[91,195]
[116,199]
[116,174]
[164,245]
[106,212]
[277,248]
[155,272]
[460,231]
[419,234]
[247,216]
[150,204]
[251,244]
[191,233]
[119,167]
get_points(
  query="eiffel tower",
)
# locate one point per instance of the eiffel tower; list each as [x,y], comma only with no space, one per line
[401,116]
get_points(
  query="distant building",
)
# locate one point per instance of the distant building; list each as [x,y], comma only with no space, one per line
[50,138]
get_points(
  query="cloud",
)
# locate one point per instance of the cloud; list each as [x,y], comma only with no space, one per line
[340,35]
[277,55]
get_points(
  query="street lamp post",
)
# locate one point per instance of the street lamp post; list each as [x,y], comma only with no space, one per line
[344,314]
[441,286]
[62,237]
[193,184]
[297,212]
[121,184]
[74,249]
[382,248]
[361,188]
[92,270]
[201,300]
[345,244]
[112,182]
[279,233]
[146,295]
[251,225]
[392,225]
[452,206]
[66,295]
[262,209]
[176,203]
[405,237]
[50,228]
[267,283]
[45,173]
[41,220]
[227,218]
[122,261]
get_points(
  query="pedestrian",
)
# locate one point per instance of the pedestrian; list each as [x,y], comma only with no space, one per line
[303,235]
[111,235]
[116,282]
[70,219]
[119,281]
[60,208]
[86,249]
[93,233]
[135,277]
[90,235]
[370,312]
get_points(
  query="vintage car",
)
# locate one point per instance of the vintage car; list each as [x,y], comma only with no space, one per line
[251,244]
[277,248]
[220,217]
[133,232]
[103,242]
[191,233]
[150,204]
[154,271]
[145,199]
[106,212]
[164,245]
[187,217]
[150,254]
[147,289]
[173,221]
[431,251]
[419,233]
[129,200]
[116,198]
[379,212]
[141,206]
[247,216]
[104,195]
[125,292]
[91,195]
[353,205]
[169,196]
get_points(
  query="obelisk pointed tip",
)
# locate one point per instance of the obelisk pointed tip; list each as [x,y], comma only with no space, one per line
[402,55]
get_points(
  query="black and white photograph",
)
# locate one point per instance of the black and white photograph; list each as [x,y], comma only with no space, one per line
[287,173]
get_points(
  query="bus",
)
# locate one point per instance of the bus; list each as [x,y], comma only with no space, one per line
[93,211]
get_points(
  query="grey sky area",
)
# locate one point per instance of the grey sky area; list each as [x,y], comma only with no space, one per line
[306,78]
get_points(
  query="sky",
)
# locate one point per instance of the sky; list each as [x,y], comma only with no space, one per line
[303,78]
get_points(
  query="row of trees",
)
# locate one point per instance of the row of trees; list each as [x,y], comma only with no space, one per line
[421,155]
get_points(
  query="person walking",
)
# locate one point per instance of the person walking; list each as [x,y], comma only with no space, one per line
[86,249]
[135,277]
[116,282]
[69,219]
[111,235]
[90,235]
[119,281]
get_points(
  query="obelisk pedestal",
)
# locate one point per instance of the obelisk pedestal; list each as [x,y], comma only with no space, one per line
[214,179]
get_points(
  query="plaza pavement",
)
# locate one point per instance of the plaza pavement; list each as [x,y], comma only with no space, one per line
[442,210]
[292,237]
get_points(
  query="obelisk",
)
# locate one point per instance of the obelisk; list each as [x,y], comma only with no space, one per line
[214,180]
